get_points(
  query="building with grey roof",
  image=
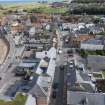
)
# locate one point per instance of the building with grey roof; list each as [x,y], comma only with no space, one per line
[41,90]
[84,98]
[96,62]
[92,44]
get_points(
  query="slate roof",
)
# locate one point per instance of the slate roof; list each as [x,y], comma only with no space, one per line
[96,62]
[75,98]
[93,41]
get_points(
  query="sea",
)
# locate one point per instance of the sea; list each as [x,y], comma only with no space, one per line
[26,1]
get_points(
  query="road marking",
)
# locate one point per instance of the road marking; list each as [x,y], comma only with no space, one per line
[3,87]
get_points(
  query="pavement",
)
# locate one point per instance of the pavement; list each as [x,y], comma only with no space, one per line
[10,57]
[6,73]
[3,50]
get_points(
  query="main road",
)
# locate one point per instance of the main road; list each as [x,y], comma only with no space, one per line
[10,56]
[7,77]
[59,74]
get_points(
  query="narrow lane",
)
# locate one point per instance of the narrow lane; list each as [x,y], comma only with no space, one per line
[59,99]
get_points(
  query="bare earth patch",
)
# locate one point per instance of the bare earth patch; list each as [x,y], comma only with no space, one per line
[3,50]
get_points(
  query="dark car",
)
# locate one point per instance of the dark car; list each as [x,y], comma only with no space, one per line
[10,65]
[55,85]
[0,78]
[25,89]
[20,73]
[62,67]
[70,52]
[54,94]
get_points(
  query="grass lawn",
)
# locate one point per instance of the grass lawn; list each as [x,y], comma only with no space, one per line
[19,100]
[54,10]
[97,75]
[97,52]
[103,73]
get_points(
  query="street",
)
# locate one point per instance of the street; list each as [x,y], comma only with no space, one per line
[59,76]
[6,72]
[59,99]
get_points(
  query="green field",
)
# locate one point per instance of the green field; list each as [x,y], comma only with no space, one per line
[97,75]
[19,100]
[36,7]
[103,73]
[50,10]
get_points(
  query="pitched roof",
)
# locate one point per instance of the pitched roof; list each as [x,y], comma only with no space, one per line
[83,37]
[96,62]
[75,98]
[93,41]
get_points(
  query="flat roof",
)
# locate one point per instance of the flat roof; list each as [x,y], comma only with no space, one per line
[27,65]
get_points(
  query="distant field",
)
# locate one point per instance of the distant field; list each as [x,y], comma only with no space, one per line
[24,6]
[43,8]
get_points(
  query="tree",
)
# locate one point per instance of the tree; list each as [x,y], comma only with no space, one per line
[33,19]
[83,54]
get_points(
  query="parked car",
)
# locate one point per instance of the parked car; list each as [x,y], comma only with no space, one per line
[20,72]
[62,67]
[70,53]
[54,94]
[55,85]
[10,65]
[0,78]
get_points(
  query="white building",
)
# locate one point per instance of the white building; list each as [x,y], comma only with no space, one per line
[32,31]
[18,40]
[43,87]
[31,100]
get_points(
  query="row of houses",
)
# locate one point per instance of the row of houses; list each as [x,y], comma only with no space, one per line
[82,28]
[85,77]
[86,41]
[83,88]
[21,22]
[96,43]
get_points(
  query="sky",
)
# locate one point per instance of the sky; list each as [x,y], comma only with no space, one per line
[17,0]
[10,1]
[28,0]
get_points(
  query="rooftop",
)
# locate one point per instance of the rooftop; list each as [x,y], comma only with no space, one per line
[96,62]
[75,98]
[93,41]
